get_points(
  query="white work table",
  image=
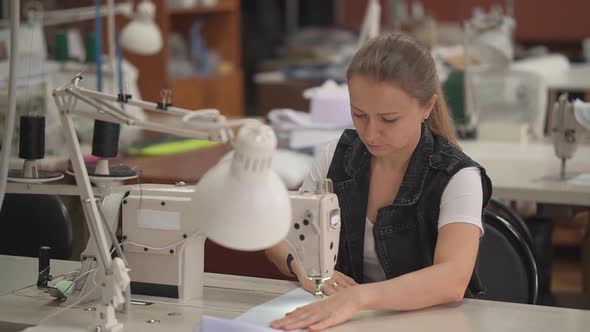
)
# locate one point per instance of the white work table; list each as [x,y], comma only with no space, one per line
[229,296]
[527,172]
[15,274]
[577,78]
[225,296]
[531,171]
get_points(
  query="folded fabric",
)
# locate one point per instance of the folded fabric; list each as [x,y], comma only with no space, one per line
[168,147]
[277,308]
[289,119]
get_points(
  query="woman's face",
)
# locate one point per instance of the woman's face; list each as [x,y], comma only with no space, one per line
[387,119]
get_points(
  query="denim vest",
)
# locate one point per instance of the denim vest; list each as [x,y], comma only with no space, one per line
[405,232]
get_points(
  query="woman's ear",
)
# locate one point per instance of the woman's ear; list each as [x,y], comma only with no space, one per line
[430,106]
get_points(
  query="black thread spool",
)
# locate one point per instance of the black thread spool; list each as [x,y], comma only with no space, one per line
[105,144]
[44,275]
[105,139]
[32,148]
[32,137]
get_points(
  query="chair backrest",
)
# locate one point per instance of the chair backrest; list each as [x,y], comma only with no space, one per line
[506,264]
[29,221]
[514,219]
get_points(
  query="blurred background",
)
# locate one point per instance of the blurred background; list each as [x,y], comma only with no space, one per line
[502,64]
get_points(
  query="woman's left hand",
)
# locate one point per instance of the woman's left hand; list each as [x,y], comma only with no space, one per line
[322,314]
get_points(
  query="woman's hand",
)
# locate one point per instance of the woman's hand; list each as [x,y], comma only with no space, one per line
[338,282]
[320,315]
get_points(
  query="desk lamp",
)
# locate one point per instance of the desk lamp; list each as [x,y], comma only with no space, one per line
[244,200]
[142,36]
[239,203]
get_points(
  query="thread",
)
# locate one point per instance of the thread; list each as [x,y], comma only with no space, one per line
[44,267]
[61,47]
[105,139]
[32,137]
[90,46]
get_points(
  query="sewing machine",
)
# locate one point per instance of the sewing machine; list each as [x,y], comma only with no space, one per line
[164,246]
[315,232]
[570,121]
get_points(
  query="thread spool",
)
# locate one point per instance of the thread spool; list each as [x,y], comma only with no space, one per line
[32,137]
[62,53]
[105,139]
[105,144]
[44,267]
[32,148]
[90,46]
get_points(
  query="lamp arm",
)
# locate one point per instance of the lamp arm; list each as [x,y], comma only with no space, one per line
[70,15]
[111,288]
[200,124]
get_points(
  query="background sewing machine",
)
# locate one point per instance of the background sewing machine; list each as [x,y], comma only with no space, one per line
[570,123]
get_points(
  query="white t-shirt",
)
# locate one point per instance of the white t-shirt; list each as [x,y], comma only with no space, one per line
[461,201]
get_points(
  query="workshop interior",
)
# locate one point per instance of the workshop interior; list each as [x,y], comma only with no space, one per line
[152,150]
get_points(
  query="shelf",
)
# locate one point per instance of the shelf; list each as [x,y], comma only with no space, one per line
[203,78]
[221,91]
[222,7]
[221,30]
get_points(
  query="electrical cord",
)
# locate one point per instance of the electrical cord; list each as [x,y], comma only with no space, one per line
[9,123]
[172,245]
[18,292]
[59,312]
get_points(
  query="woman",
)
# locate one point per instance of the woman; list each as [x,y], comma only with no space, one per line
[411,202]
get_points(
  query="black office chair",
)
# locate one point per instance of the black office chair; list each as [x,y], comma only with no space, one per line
[28,222]
[506,264]
[514,219]
[537,232]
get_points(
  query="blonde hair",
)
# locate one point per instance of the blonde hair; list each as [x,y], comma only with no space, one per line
[406,63]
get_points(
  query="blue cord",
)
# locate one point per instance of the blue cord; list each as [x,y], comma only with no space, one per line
[119,63]
[98,44]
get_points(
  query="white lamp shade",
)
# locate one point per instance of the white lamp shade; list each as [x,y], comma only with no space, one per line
[242,213]
[142,36]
